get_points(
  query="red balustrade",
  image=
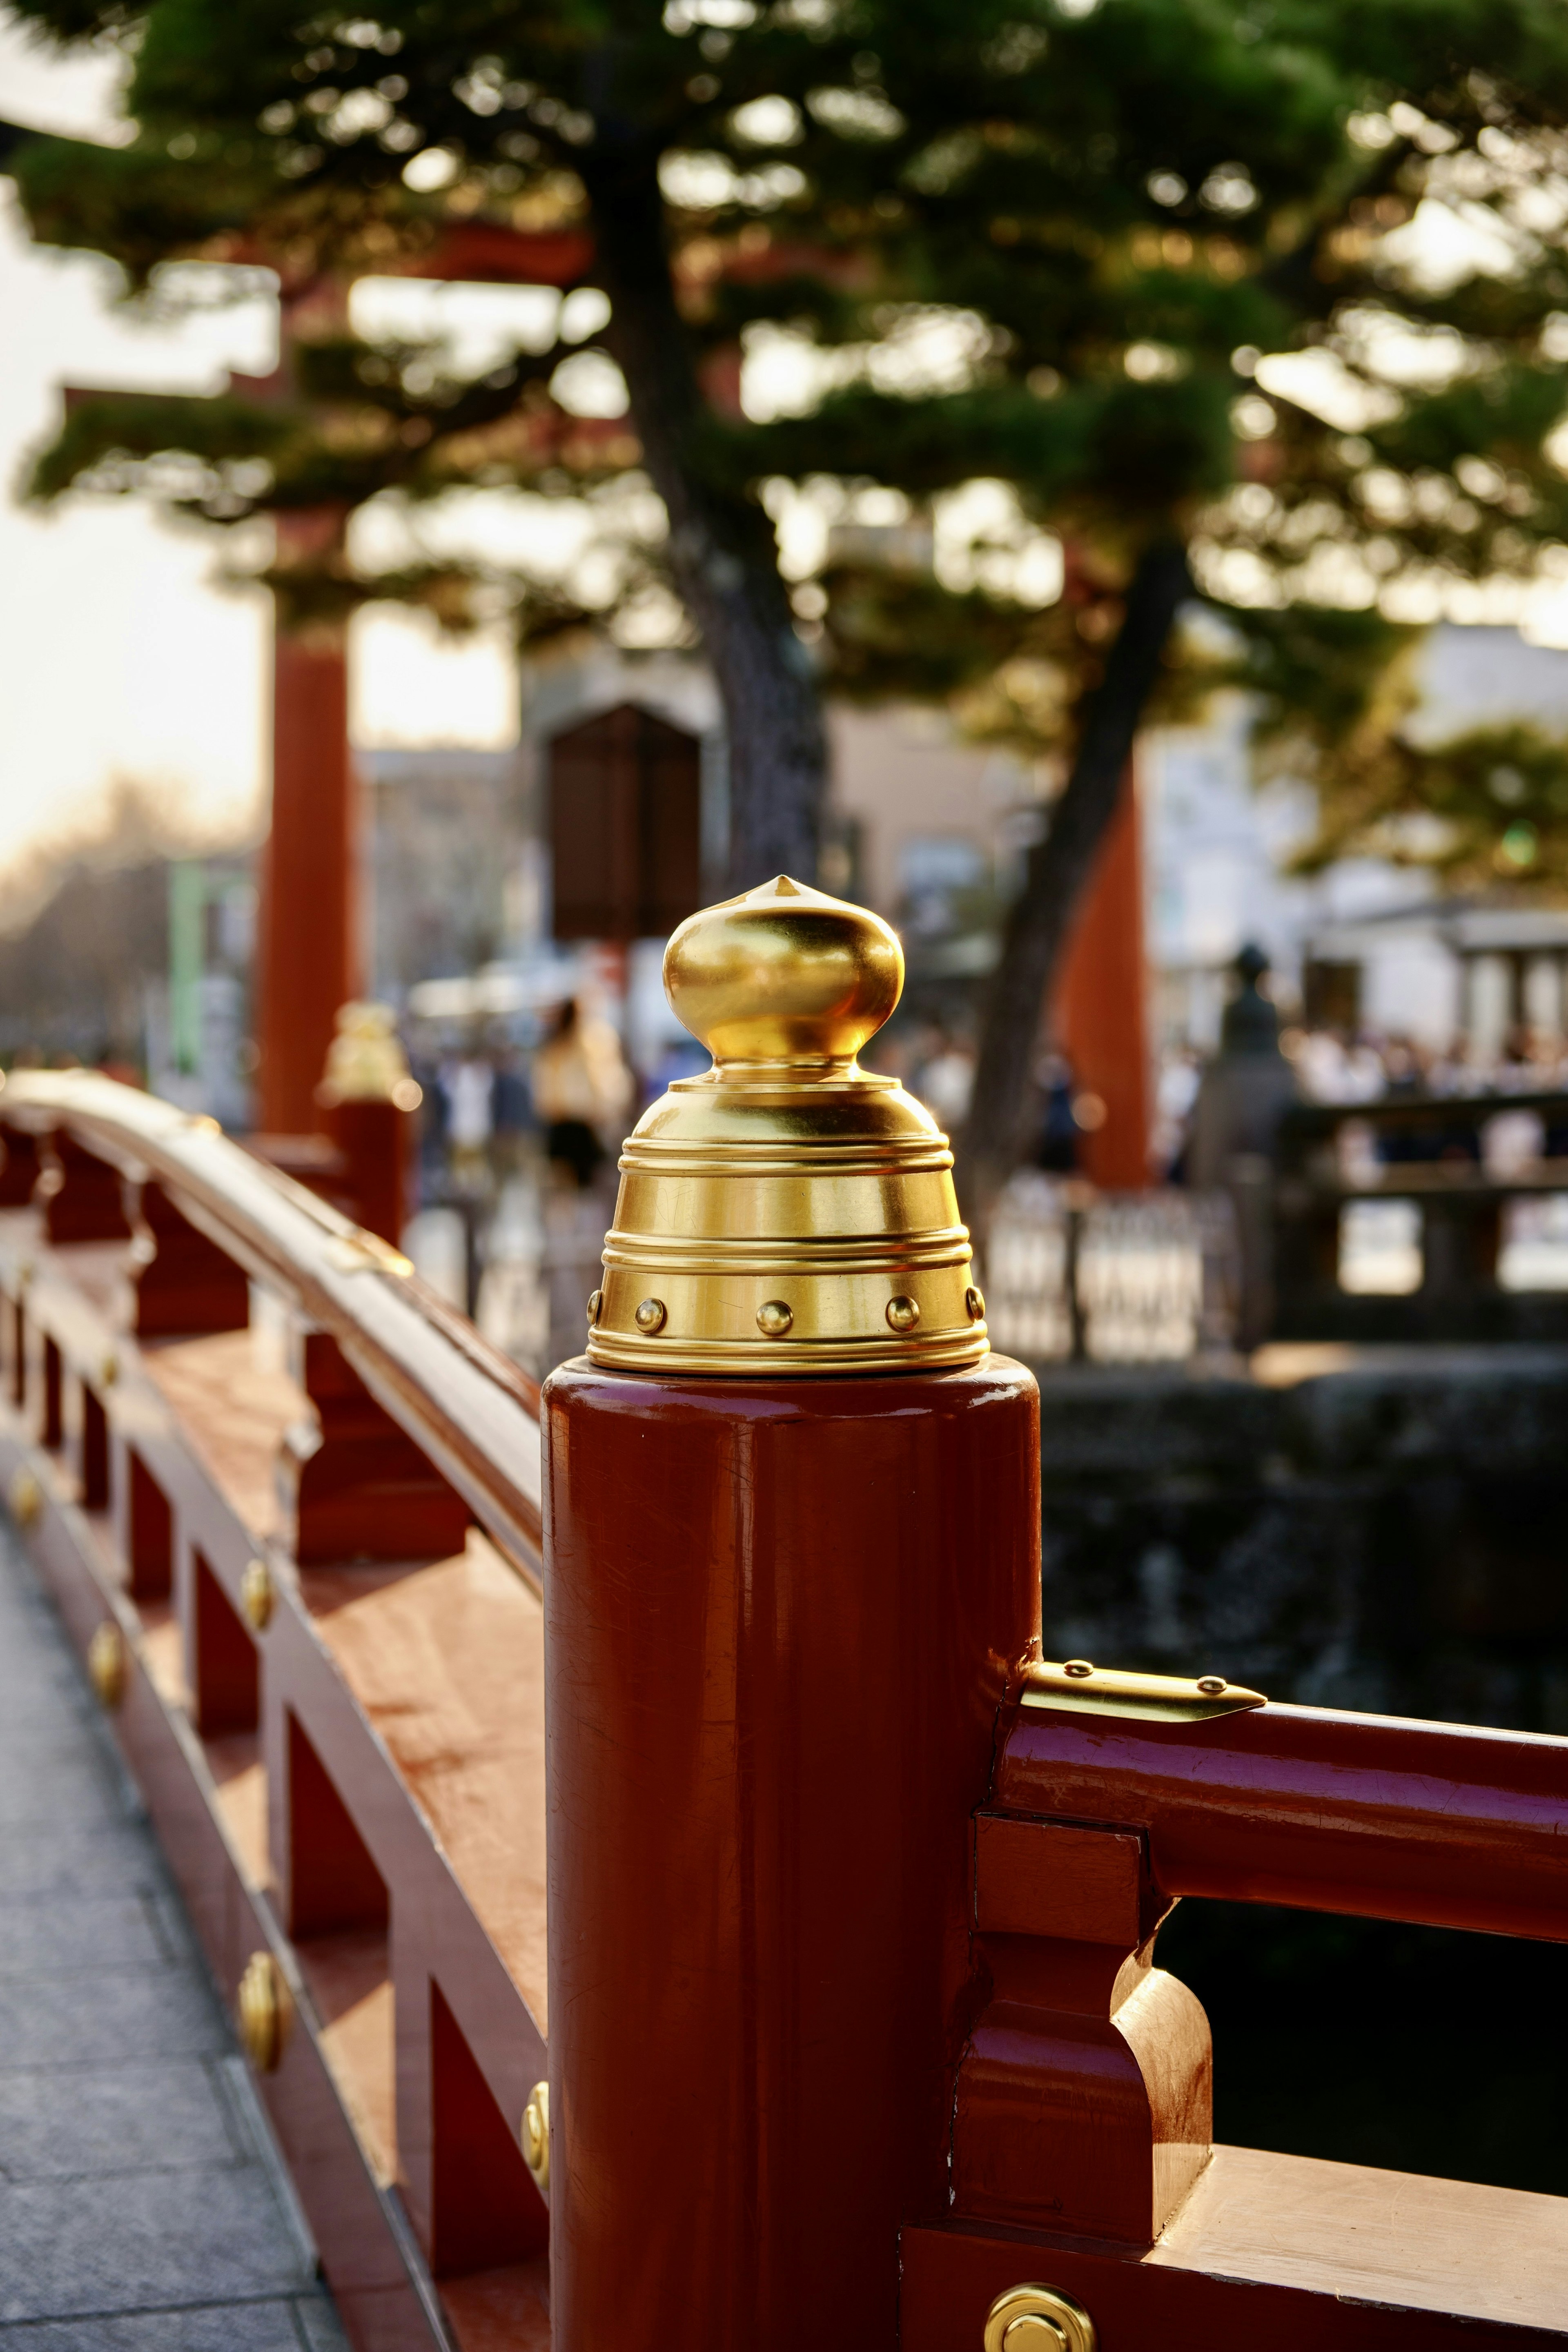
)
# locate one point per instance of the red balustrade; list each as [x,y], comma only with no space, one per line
[860,2033]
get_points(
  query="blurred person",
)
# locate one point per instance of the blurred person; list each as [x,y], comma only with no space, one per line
[1181,1074]
[1403,1066]
[1055,1151]
[1365,1077]
[469,1084]
[1321,1066]
[1452,1072]
[582,1092]
[1518,1070]
[512,1110]
[945,1081]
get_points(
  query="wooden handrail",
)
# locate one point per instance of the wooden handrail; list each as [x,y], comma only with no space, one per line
[468,1407]
[1432,1823]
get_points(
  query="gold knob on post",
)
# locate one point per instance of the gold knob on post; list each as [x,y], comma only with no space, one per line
[25,1496]
[534,2136]
[1038,2319]
[787,1212]
[256,1595]
[265,2012]
[107,1667]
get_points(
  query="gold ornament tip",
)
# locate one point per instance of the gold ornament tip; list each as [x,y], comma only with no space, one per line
[783,974]
[787,1212]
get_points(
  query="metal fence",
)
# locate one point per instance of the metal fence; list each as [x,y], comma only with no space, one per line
[1112,1279]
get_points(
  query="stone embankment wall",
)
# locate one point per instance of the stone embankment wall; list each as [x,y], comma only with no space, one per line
[1377,1529]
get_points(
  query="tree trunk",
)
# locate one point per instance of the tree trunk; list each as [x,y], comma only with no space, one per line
[722,550]
[1004,1106]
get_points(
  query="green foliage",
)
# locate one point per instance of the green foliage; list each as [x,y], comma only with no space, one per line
[1020,240]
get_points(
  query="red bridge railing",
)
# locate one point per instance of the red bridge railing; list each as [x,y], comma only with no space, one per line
[860,2038]
[288,1502]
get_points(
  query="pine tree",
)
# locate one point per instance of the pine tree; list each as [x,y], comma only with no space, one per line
[1160,267]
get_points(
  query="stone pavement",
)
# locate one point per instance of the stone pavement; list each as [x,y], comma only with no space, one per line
[142,2205]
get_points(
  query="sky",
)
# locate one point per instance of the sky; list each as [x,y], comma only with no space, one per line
[122,659]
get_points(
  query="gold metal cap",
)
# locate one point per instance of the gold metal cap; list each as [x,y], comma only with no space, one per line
[787,1212]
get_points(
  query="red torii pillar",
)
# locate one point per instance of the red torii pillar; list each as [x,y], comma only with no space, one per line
[309,945]
[1101,1007]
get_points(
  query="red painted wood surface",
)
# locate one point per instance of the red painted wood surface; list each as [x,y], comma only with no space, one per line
[1101,1010]
[82,1194]
[1085,2097]
[359,1486]
[225,1671]
[374,1140]
[444,1808]
[18,1168]
[779,1622]
[473,1411]
[184,1281]
[1434,1823]
[150,1547]
[307,950]
[1275,2254]
[839,1949]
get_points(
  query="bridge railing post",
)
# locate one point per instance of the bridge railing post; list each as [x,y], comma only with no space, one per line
[792,1545]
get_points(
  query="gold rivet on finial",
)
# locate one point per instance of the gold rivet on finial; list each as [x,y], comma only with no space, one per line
[774,1318]
[1211,1685]
[651,1316]
[903,1314]
[974,1305]
[1078,1668]
[595,1306]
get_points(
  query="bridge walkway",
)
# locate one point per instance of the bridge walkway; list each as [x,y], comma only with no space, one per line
[143,2207]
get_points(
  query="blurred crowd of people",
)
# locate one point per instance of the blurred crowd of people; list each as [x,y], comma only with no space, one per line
[1333,1066]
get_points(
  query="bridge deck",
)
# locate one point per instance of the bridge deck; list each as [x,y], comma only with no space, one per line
[140,2207]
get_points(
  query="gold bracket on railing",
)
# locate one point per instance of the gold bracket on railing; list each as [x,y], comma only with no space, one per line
[1083,1689]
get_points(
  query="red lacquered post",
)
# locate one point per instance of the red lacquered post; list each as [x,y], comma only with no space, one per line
[367,1097]
[783,1614]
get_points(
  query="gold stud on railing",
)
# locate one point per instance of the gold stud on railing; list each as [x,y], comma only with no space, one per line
[256,1595]
[25,1497]
[534,2136]
[265,2012]
[787,1212]
[1038,2319]
[107,1666]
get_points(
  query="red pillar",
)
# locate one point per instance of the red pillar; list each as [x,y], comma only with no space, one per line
[308,947]
[1102,1011]
[780,1619]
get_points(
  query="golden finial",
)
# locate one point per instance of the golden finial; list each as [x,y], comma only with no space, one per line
[365,1061]
[787,1212]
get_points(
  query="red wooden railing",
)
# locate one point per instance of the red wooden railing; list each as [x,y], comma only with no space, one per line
[288,1502]
[859,2040]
